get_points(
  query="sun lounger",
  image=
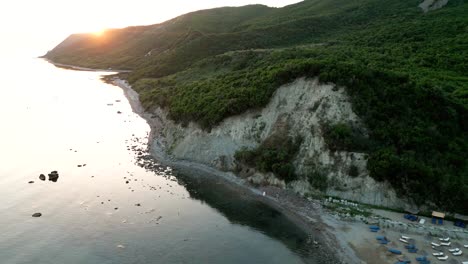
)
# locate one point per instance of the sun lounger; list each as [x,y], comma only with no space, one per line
[413,250]
[435,244]
[405,237]
[454,249]
[445,244]
[465,246]
[421,258]
[444,258]
[437,254]
[374,227]
[395,251]
[411,246]
[447,239]
[458,253]
[403,240]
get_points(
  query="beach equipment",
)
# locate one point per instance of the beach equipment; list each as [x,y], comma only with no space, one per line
[403,240]
[394,251]
[413,250]
[438,254]
[454,249]
[465,246]
[435,244]
[410,217]
[458,253]
[446,244]
[447,239]
[405,237]
[410,246]
[382,240]
[442,258]
[374,228]
[421,258]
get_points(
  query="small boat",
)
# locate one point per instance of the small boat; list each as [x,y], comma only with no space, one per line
[438,254]
[454,249]
[443,258]
[435,244]
[458,253]
[445,244]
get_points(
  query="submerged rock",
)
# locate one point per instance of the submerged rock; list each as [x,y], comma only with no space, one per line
[42,177]
[31,182]
[37,215]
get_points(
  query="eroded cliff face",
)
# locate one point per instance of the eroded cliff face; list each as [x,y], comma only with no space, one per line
[430,5]
[300,109]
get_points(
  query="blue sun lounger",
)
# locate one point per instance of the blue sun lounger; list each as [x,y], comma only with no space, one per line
[395,251]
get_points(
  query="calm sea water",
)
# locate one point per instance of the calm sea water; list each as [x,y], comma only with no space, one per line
[57,119]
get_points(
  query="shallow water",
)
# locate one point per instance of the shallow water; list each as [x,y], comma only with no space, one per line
[57,119]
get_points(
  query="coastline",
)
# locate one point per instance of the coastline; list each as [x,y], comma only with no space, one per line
[306,214]
[335,234]
[78,68]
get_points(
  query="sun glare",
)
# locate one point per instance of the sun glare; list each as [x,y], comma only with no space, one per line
[99,33]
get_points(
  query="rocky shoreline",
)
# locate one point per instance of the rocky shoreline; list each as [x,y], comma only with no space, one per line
[306,213]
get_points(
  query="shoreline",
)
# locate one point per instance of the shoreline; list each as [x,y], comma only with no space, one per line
[335,234]
[306,214]
[78,68]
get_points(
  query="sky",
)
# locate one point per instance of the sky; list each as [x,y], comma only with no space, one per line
[33,26]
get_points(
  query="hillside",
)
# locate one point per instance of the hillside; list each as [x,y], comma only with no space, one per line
[404,70]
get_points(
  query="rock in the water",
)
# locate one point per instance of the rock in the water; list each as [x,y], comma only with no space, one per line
[37,215]
[137,204]
[118,112]
[31,182]
[79,166]
[53,176]
[42,177]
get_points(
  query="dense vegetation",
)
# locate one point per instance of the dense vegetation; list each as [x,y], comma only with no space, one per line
[274,155]
[405,71]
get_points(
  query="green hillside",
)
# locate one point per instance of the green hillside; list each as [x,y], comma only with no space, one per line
[405,70]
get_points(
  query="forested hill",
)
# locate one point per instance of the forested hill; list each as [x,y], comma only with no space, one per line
[405,71]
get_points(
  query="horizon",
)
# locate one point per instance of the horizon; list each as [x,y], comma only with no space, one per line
[42,26]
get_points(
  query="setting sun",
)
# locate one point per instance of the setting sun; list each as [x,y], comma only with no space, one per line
[99,33]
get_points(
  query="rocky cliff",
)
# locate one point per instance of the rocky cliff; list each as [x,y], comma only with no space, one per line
[301,109]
